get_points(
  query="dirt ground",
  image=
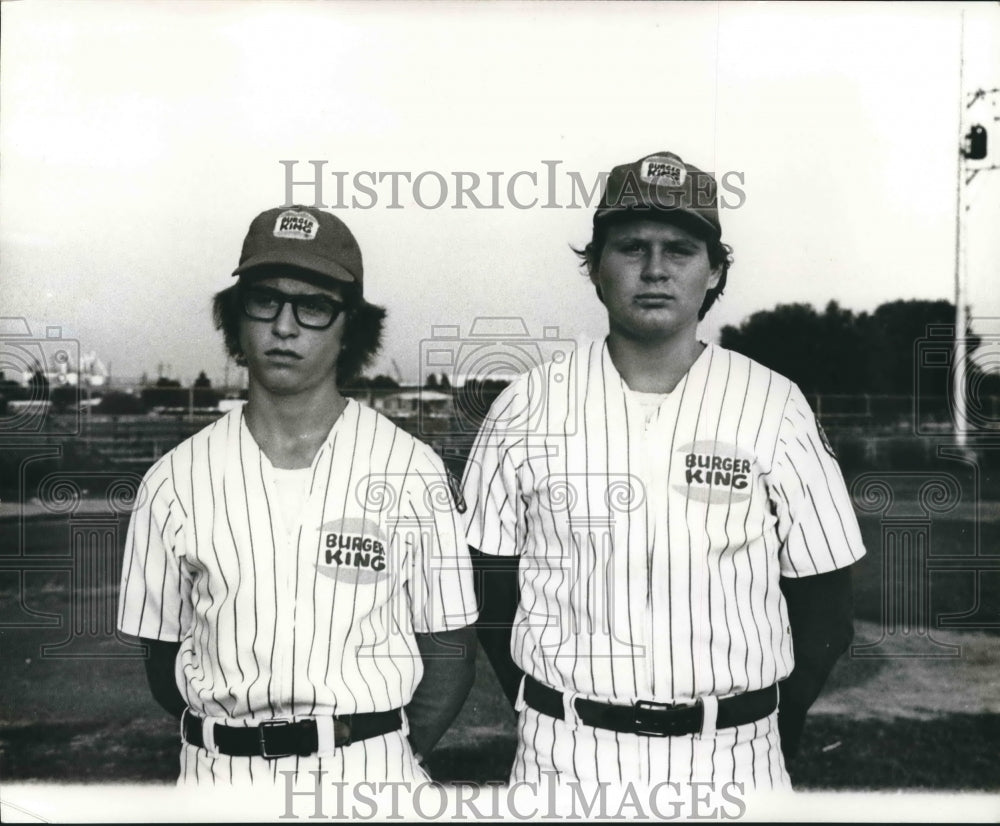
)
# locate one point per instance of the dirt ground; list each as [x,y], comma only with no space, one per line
[886,724]
[921,717]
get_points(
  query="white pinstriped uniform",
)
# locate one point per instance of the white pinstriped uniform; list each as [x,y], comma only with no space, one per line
[312,618]
[651,548]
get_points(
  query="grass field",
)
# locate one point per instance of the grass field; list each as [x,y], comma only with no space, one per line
[898,722]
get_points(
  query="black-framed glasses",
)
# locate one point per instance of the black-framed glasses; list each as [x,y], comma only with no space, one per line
[317,312]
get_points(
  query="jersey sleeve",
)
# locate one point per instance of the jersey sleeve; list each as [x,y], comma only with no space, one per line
[442,597]
[489,484]
[155,596]
[816,521]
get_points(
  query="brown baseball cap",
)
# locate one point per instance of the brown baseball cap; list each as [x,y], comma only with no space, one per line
[304,237]
[664,183]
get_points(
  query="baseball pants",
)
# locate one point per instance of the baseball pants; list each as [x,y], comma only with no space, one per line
[749,754]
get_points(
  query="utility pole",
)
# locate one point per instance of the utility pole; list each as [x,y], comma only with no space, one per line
[958,374]
[972,147]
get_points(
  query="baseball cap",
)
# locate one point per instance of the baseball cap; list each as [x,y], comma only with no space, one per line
[304,237]
[663,182]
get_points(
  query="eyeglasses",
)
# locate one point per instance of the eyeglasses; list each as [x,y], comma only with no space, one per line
[317,312]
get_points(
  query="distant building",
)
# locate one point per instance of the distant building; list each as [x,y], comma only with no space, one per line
[90,372]
[405,403]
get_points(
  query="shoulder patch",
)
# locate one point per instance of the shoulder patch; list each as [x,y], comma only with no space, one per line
[825,440]
[456,492]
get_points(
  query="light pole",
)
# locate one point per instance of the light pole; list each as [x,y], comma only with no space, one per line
[972,147]
[958,374]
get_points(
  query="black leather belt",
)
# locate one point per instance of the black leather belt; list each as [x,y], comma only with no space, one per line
[653,719]
[283,738]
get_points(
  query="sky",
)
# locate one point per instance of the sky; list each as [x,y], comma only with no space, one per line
[138,140]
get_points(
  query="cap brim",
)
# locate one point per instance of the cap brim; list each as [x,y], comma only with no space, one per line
[695,220]
[301,260]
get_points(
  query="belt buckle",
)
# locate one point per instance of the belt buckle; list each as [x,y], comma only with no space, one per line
[262,728]
[341,733]
[643,713]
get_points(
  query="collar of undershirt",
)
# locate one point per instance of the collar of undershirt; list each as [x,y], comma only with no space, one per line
[643,398]
[291,473]
[609,365]
[349,409]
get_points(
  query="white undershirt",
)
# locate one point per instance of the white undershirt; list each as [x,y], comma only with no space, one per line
[292,485]
[649,403]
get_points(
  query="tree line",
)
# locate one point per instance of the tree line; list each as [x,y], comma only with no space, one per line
[900,348]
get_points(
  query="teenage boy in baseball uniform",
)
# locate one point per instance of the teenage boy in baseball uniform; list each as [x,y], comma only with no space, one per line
[680,531]
[297,568]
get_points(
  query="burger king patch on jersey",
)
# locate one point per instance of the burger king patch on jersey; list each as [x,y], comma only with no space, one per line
[714,472]
[352,549]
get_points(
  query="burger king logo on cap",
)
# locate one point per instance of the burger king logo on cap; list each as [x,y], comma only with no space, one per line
[663,170]
[296,224]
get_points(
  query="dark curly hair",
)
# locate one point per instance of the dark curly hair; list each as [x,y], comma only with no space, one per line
[362,338]
[719,254]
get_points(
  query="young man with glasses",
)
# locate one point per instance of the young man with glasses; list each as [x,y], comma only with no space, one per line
[297,568]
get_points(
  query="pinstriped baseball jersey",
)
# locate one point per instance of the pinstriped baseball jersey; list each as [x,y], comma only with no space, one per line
[313,618]
[651,545]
